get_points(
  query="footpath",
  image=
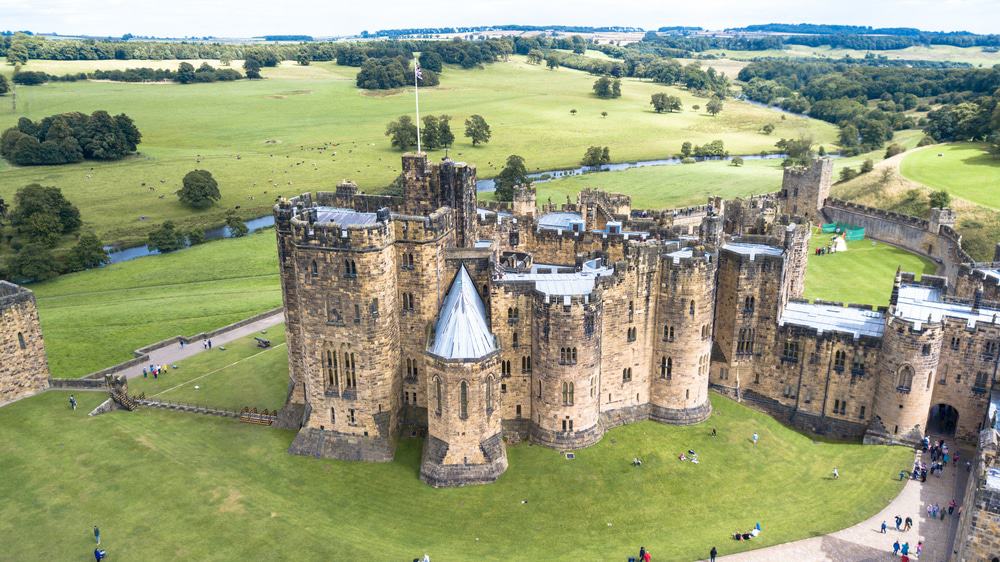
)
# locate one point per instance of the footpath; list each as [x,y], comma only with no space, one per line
[863,542]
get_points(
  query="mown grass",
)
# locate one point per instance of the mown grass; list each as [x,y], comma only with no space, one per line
[229,376]
[96,318]
[962,169]
[862,275]
[261,139]
[166,486]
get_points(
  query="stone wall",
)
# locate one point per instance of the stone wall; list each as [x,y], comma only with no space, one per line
[804,189]
[24,369]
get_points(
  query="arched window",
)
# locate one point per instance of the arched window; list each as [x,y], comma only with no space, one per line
[489,395]
[627,374]
[573,355]
[314,269]
[565,394]
[691,308]
[631,310]
[463,400]
[437,395]
[513,340]
[670,367]
[20,340]
[904,379]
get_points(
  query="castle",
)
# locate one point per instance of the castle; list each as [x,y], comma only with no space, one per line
[482,324]
[24,370]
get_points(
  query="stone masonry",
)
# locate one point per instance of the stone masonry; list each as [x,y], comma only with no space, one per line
[24,370]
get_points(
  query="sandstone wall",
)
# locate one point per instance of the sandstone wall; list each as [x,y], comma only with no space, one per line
[24,369]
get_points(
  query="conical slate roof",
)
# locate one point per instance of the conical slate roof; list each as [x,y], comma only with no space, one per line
[462,331]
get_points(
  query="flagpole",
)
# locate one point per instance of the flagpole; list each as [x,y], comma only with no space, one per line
[416,96]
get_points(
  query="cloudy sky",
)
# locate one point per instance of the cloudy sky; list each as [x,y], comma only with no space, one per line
[247,18]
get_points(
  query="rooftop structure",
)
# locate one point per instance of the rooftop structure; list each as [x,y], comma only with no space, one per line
[919,303]
[752,250]
[462,331]
[556,281]
[833,318]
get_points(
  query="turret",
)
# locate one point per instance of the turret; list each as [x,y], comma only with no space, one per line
[524,202]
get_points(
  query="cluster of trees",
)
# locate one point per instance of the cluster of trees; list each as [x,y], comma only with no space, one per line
[391,72]
[606,87]
[68,138]
[664,102]
[186,73]
[40,218]
[978,119]
[435,133]
[596,156]
[714,149]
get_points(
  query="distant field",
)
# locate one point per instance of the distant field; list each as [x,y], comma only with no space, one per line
[862,275]
[96,318]
[679,185]
[965,170]
[972,55]
[307,128]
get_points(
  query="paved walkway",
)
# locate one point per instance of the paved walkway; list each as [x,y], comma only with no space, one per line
[172,353]
[864,542]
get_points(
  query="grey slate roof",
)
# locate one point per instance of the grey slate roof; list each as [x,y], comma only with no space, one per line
[917,302]
[561,282]
[558,220]
[752,249]
[462,331]
[344,217]
[832,318]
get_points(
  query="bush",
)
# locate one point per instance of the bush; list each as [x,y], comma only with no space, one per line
[847,174]
[195,236]
[926,141]
[596,156]
[237,228]
[867,166]
[34,263]
[166,238]
[88,253]
[893,150]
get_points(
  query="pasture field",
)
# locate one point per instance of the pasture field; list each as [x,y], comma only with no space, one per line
[167,485]
[963,169]
[862,275]
[307,128]
[972,55]
[96,318]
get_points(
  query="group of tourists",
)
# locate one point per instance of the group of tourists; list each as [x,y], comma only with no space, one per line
[903,550]
[749,535]
[99,553]
[691,456]
[155,370]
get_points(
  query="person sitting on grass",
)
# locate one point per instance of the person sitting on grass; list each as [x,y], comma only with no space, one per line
[636,462]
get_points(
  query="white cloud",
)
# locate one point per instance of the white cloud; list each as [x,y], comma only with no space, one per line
[256,17]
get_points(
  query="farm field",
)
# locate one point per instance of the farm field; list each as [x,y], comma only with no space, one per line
[964,170]
[196,487]
[862,275]
[96,318]
[972,55]
[307,128]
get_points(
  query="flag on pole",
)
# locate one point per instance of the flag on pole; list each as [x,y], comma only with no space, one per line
[417,70]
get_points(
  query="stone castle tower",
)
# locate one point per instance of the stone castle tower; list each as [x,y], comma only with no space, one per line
[804,189]
[24,369]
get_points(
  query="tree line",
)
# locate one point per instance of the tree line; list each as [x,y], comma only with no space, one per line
[186,73]
[70,137]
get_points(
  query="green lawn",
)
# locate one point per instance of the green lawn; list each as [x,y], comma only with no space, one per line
[167,486]
[96,318]
[658,187]
[230,376]
[264,138]
[861,275]
[963,169]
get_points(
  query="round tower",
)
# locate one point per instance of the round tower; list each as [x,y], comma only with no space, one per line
[685,307]
[565,382]
[464,442]
[906,367]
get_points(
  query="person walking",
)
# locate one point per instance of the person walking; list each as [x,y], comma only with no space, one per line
[210,344]
[908,524]
[100,554]
[836,474]
[647,557]
[97,534]
[920,548]
[899,521]
[895,548]
[906,549]
[72,402]
[642,553]
[883,528]
[145,373]
[712,554]
[755,438]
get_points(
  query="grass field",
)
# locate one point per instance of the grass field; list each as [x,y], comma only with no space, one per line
[964,170]
[96,318]
[239,375]
[972,55]
[862,275]
[306,128]
[657,187]
[166,486]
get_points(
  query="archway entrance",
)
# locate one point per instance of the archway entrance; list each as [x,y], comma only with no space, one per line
[942,420]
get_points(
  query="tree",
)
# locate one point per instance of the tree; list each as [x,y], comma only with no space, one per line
[867,166]
[185,73]
[429,133]
[166,238]
[237,228]
[767,129]
[195,236]
[535,56]
[686,149]
[251,67]
[445,136]
[477,129]
[514,173]
[17,54]
[88,253]
[34,263]
[596,156]
[663,102]
[940,199]
[798,151]
[303,58]
[714,106]
[225,60]
[572,112]
[993,146]
[604,114]
[200,190]
[737,161]
[847,174]
[402,132]
[551,62]
[4,85]
[43,214]
[616,88]
[602,87]
[430,60]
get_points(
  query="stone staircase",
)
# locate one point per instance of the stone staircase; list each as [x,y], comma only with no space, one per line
[190,408]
